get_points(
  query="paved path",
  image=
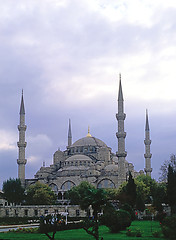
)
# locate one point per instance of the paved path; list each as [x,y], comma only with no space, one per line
[10,227]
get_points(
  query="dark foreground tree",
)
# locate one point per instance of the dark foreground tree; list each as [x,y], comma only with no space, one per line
[127,193]
[13,191]
[87,195]
[171,189]
[39,194]
[131,190]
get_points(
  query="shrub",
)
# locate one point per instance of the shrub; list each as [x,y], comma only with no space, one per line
[134,232]
[156,234]
[130,233]
[169,227]
[116,220]
[17,220]
[129,209]
[160,216]
[25,230]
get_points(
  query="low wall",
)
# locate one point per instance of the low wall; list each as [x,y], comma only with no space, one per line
[37,211]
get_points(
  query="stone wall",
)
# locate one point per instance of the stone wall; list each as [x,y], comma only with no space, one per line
[37,211]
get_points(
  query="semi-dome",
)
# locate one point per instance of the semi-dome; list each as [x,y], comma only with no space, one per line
[78,160]
[89,141]
[78,157]
[111,167]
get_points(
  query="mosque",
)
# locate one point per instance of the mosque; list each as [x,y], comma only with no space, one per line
[87,159]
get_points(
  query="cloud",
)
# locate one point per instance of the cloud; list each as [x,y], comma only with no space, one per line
[67,55]
[8,140]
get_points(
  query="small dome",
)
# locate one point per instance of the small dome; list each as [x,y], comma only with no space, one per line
[111,167]
[89,141]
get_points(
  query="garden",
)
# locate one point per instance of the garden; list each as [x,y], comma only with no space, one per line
[142,230]
[115,222]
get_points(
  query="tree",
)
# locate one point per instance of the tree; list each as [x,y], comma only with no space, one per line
[147,191]
[39,194]
[13,191]
[171,189]
[87,195]
[160,196]
[127,192]
[51,224]
[149,186]
[165,166]
[116,220]
[140,204]
[151,191]
[131,190]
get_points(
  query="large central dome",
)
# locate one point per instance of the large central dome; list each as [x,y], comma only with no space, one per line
[89,141]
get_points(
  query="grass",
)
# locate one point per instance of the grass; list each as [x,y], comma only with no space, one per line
[80,234]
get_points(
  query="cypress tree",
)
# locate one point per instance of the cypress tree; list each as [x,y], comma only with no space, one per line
[171,189]
[131,190]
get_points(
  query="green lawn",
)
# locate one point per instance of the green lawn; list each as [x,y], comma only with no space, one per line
[80,234]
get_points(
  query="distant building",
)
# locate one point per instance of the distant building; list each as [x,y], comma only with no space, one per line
[87,159]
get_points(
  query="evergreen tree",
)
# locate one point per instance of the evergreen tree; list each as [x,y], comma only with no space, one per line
[127,192]
[140,204]
[131,190]
[171,189]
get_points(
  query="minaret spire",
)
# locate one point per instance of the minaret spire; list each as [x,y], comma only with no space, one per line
[120,95]
[121,134]
[69,134]
[147,122]
[22,110]
[21,161]
[147,143]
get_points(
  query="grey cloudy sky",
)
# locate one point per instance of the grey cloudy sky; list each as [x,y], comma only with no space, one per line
[66,55]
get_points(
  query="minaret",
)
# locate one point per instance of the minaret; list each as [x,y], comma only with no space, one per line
[147,143]
[69,134]
[121,134]
[22,144]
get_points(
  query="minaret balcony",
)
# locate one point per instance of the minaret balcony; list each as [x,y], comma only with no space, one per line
[148,170]
[121,154]
[120,134]
[21,161]
[22,128]
[147,155]
[147,141]
[19,144]
[120,116]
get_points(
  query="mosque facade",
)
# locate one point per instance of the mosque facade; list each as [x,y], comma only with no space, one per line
[87,159]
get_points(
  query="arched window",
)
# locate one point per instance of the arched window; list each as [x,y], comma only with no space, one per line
[67,185]
[106,183]
[54,187]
